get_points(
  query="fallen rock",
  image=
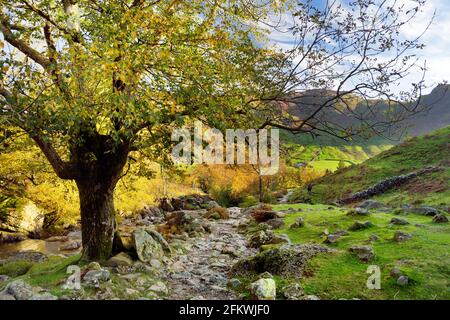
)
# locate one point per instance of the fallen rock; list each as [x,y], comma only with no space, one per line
[263,289]
[440,218]
[260,238]
[364,253]
[234,283]
[374,237]
[398,221]
[395,273]
[400,236]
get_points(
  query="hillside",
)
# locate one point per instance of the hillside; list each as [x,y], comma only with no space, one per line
[412,155]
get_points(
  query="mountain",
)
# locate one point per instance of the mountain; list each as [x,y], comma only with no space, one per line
[434,107]
[413,155]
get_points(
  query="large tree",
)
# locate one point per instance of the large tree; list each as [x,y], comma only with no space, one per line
[91,81]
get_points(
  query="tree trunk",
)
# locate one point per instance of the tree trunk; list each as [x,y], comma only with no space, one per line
[97,220]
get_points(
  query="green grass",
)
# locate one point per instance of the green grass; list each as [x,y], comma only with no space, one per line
[417,153]
[425,259]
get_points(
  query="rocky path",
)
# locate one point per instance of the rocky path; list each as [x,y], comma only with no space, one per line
[201,273]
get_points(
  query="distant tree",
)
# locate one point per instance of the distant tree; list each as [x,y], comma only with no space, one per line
[93,81]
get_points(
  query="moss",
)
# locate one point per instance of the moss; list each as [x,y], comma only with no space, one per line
[15,268]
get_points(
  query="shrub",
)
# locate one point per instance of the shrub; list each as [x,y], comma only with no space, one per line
[248,201]
[263,213]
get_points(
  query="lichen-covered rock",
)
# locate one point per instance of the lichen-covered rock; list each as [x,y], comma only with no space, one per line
[286,260]
[159,288]
[276,223]
[149,244]
[364,253]
[264,289]
[260,238]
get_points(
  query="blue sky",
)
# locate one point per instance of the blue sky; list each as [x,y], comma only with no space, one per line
[437,40]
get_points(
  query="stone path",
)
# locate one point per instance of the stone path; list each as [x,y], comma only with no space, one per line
[201,273]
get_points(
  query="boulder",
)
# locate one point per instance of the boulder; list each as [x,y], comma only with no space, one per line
[263,289]
[29,255]
[440,218]
[121,259]
[147,247]
[398,221]
[287,260]
[364,253]
[400,236]
[8,237]
[260,238]
[20,290]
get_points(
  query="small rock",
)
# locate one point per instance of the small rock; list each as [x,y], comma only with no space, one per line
[276,223]
[362,211]
[440,218]
[364,253]
[371,204]
[311,297]
[266,275]
[280,238]
[5,296]
[94,277]
[401,236]
[3,278]
[292,291]
[263,289]
[71,245]
[159,288]
[396,273]
[360,225]
[398,221]
[403,280]
[374,237]
[299,222]
[234,283]
[425,210]
[155,263]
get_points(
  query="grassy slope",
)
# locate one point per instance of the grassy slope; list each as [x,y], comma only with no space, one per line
[432,149]
[332,150]
[425,259]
